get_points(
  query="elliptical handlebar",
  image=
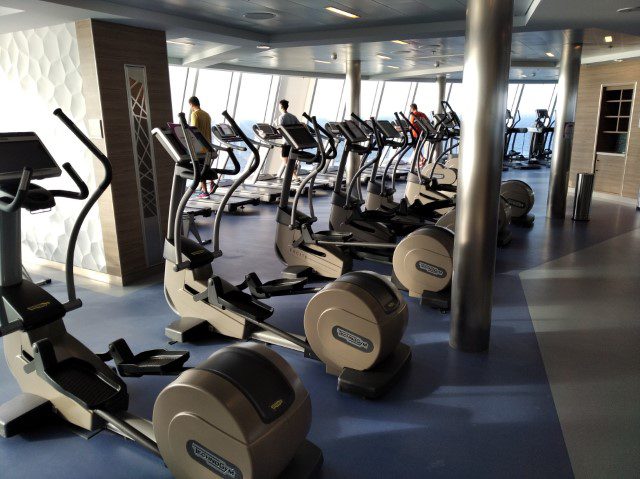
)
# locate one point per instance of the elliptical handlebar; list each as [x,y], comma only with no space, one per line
[82,186]
[21,192]
[446,107]
[411,125]
[321,134]
[74,302]
[367,127]
[177,225]
[238,181]
[240,133]
[365,164]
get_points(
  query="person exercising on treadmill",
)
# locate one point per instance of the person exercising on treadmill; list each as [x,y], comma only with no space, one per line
[287,119]
[202,121]
[413,116]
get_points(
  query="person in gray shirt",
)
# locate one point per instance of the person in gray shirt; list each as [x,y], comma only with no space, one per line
[287,119]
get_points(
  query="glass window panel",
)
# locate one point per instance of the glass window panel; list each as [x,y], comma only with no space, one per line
[177,79]
[427,97]
[253,97]
[512,95]
[213,92]
[534,96]
[394,98]
[456,98]
[326,100]
[368,90]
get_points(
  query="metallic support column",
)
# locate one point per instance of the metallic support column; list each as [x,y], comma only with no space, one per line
[441,81]
[485,84]
[565,118]
[352,89]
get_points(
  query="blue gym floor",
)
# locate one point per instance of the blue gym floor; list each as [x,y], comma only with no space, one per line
[452,415]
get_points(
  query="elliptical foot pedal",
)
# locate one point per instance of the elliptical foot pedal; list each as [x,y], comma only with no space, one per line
[297,272]
[527,221]
[373,383]
[504,238]
[155,362]
[440,300]
[23,412]
[187,330]
[306,464]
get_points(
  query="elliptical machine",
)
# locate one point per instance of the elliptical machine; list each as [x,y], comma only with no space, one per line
[422,261]
[241,413]
[354,325]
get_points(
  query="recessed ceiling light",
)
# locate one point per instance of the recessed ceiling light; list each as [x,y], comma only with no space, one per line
[629,9]
[259,15]
[618,60]
[343,13]
[608,39]
[393,66]
[322,61]
[550,54]
[180,42]
[263,47]
[523,76]
[400,42]
[384,57]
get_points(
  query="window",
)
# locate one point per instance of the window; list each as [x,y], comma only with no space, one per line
[427,97]
[394,98]
[213,92]
[182,81]
[368,92]
[455,97]
[535,96]
[615,116]
[253,104]
[326,100]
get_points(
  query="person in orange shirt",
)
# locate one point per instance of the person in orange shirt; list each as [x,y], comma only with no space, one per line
[415,114]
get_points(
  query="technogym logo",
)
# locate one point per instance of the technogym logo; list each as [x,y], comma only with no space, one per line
[430,269]
[213,462]
[516,203]
[352,339]
[38,306]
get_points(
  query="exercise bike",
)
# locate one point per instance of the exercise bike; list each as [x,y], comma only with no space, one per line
[241,413]
[353,325]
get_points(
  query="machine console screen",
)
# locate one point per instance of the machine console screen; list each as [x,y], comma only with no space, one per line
[20,150]
[299,136]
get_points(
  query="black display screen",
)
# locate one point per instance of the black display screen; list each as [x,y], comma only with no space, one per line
[356,135]
[19,151]
[225,130]
[265,130]
[387,129]
[299,136]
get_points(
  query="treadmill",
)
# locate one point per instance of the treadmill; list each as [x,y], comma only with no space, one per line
[271,138]
[174,143]
[228,137]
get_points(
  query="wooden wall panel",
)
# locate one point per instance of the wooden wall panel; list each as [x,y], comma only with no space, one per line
[115,46]
[609,174]
[592,78]
[91,94]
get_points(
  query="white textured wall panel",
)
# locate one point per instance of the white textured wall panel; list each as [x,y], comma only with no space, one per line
[39,72]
